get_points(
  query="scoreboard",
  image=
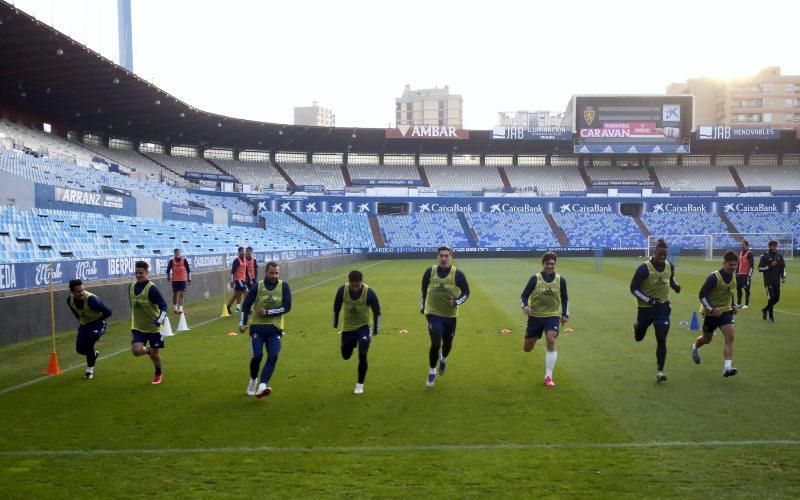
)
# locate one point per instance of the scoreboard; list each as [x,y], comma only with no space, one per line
[632,124]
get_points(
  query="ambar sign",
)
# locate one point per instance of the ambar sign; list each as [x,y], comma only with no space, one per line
[426,132]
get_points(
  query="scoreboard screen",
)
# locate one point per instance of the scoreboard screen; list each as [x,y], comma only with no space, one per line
[632,124]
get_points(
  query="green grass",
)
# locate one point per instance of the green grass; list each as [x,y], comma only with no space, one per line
[488,428]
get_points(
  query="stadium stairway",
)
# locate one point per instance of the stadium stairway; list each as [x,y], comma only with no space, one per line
[424,176]
[161,164]
[639,222]
[737,179]
[220,169]
[468,231]
[737,235]
[376,231]
[585,176]
[346,175]
[654,176]
[311,227]
[561,235]
[283,173]
[504,177]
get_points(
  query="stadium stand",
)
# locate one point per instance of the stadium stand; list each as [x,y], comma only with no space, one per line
[69,175]
[136,162]
[544,179]
[310,174]
[260,174]
[349,230]
[688,177]
[592,230]
[464,177]
[785,177]
[513,230]
[769,224]
[676,224]
[42,235]
[617,173]
[45,144]
[183,164]
[422,230]
[392,172]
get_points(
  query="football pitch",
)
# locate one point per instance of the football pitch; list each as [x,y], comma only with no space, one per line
[489,427]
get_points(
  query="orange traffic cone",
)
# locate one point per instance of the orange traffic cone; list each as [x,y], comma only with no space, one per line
[52,366]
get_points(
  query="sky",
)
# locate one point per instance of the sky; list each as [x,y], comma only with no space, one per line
[259,59]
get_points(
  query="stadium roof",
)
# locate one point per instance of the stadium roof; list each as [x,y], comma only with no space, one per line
[47,76]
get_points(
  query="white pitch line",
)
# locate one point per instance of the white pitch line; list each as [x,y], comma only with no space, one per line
[406,448]
[787,312]
[121,351]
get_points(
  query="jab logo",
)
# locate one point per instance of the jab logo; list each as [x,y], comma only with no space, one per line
[44,273]
[285,207]
[364,207]
[565,208]
[86,270]
[311,207]
[797,208]
[337,207]
[424,207]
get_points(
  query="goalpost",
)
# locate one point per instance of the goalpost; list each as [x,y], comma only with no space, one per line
[714,245]
[721,242]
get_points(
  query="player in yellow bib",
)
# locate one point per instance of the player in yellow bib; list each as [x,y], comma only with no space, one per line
[354,300]
[718,308]
[92,315]
[272,299]
[444,289]
[148,312]
[546,304]
[650,285]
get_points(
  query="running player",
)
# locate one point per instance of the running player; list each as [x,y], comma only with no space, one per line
[357,299]
[272,299]
[179,274]
[238,280]
[743,275]
[148,312]
[650,285]
[545,302]
[444,288]
[718,308]
[92,315]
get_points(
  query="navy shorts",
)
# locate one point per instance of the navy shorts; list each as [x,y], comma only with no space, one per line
[440,326]
[155,340]
[240,286]
[742,280]
[537,326]
[359,337]
[178,286]
[656,315]
[710,323]
[94,329]
[90,333]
